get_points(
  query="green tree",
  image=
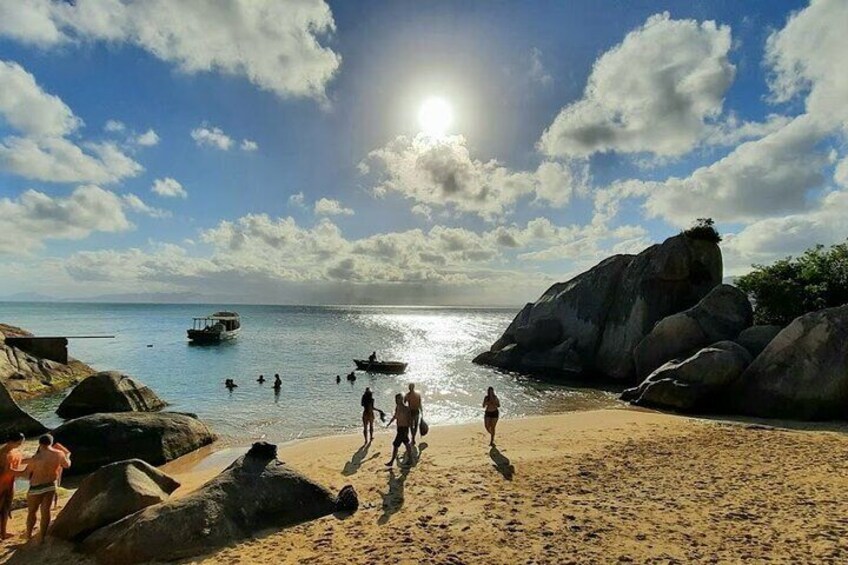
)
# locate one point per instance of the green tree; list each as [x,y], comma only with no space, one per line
[703,228]
[794,286]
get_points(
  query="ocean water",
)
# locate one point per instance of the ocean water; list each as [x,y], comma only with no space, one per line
[308,346]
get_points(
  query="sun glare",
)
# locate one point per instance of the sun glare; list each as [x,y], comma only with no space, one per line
[435,116]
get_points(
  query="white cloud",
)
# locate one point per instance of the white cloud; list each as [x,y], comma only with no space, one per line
[169,187]
[654,92]
[147,139]
[840,173]
[43,151]
[807,57]
[137,205]
[272,43]
[328,207]
[440,173]
[537,72]
[296,199]
[33,217]
[212,137]
[114,126]
[248,145]
[761,178]
[770,239]
[732,131]
[30,110]
[57,159]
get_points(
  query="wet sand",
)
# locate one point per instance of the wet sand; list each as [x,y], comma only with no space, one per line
[608,486]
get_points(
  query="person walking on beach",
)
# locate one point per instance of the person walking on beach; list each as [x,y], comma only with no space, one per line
[413,400]
[10,462]
[44,469]
[491,404]
[403,418]
[367,403]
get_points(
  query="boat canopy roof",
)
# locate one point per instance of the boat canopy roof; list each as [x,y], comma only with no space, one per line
[220,316]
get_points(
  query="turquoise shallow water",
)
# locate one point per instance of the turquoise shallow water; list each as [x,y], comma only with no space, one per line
[308,346]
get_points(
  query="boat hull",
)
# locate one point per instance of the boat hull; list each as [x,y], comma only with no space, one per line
[385,367]
[202,336]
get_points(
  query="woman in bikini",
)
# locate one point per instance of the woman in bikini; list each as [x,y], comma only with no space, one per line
[491,405]
[367,414]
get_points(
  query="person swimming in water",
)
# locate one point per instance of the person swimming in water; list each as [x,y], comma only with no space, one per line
[261,379]
[338,379]
[351,377]
[230,384]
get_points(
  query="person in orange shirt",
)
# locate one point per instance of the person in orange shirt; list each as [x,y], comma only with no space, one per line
[10,462]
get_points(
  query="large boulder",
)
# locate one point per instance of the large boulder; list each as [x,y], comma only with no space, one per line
[694,384]
[156,438]
[255,493]
[605,312]
[802,373]
[109,494]
[14,420]
[720,315]
[109,391]
[756,338]
[28,376]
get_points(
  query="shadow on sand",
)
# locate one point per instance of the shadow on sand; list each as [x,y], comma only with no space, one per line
[393,497]
[357,459]
[502,463]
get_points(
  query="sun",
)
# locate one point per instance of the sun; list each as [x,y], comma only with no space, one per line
[435,116]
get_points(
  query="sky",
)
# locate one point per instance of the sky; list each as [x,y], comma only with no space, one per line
[432,153]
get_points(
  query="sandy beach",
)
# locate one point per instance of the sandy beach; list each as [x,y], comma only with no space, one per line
[608,486]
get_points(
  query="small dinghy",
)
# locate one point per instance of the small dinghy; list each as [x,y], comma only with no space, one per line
[388,367]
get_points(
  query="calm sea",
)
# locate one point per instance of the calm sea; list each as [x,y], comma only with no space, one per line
[308,346]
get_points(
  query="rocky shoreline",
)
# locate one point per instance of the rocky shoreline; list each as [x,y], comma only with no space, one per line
[663,321]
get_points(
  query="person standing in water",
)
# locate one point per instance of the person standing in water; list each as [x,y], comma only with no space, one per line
[367,403]
[404,419]
[44,469]
[10,462]
[413,400]
[491,404]
[278,383]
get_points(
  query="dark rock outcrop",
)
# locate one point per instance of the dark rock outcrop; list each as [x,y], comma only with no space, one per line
[756,338]
[156,438]
[720,315]
[109,391]
[694,384]
[14,420]
[606,311]
[803,372]
[109,494]
[252,494]
[28,376]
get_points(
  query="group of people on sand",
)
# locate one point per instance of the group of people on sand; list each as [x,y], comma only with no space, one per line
[43,470]
[408,415]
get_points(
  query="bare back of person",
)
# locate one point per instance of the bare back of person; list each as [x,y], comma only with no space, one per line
[46,466]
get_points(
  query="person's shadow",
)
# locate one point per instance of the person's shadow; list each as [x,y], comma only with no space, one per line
[357,459]
[393,497]
[502,463]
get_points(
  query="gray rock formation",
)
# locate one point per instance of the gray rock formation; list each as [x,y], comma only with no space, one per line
[694,384]
[14,420]
[101,439]
[606,311]
[720,315]
[109,391]
[27,376]
[803,372]
[255,493]
[109,494]
[756,338]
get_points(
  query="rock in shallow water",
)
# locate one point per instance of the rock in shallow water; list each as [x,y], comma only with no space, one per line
[14,420]
[157,438]
[109,391]
[253,494]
